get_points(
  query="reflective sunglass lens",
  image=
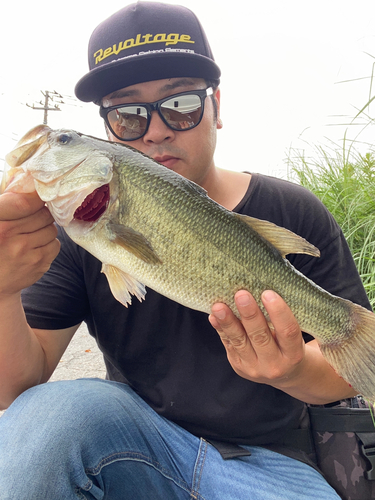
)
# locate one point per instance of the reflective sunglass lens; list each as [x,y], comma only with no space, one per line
[182,112]
[128,122]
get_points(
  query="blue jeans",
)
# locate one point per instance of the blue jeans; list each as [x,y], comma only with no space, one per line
[95,439]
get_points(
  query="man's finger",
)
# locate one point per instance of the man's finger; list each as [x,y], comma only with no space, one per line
[288,332]
[18,205]
[229,328]
[255,324]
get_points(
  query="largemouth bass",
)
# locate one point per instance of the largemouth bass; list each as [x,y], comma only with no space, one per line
[151,227]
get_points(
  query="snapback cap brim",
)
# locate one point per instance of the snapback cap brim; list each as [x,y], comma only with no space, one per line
[124,72]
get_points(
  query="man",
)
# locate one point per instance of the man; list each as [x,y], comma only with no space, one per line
[176,419]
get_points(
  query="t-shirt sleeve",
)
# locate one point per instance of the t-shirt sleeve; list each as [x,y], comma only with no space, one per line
[59,299]
[297,209]
[335,269]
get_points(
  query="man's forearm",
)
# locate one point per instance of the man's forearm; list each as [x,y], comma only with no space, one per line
[22,359]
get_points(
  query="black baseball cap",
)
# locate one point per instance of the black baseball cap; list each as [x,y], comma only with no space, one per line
[146,41]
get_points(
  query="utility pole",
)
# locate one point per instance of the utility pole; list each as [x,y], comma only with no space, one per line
[48,96]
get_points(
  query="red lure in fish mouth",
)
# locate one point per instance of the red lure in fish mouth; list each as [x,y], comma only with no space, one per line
[94,205]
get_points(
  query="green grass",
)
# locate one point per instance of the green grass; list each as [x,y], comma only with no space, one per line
[344,180]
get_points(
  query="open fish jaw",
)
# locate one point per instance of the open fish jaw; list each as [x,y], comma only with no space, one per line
[34,161]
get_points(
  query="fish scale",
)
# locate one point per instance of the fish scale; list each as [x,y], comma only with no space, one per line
[162,226]
[162,231]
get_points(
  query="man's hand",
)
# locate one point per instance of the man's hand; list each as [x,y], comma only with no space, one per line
[276,354]
[28,243]
[256,350]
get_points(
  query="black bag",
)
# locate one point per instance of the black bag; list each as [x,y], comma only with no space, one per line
[344,439]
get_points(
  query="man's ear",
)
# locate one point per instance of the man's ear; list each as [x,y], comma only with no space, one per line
[219,122]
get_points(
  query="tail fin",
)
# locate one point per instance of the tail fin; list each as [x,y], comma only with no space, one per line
[354,359]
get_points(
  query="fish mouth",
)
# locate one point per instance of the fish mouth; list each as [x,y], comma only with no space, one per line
[94,205]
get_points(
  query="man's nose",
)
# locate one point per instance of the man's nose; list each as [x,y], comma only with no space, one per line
[158,131]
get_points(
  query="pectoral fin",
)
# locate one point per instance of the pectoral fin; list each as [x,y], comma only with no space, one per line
[122,285]
[133,242]
[284,240]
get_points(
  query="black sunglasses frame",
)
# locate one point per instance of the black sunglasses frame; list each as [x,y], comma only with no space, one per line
[156,106]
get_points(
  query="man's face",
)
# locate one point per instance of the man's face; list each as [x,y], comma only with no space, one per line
[190,152]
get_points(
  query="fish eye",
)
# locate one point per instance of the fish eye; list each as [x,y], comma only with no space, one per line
[64,139]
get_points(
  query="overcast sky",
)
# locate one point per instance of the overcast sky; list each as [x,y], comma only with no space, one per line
[282,62]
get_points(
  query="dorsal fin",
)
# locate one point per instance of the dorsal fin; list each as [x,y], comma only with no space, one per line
[282,239]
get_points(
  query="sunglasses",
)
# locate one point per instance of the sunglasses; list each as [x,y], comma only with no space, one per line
[129,122]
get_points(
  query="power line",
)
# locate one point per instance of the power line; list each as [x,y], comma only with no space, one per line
[48,97]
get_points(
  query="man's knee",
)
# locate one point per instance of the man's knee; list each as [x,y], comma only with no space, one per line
[65,410]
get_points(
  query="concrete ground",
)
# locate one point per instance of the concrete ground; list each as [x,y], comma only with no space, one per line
[81,359]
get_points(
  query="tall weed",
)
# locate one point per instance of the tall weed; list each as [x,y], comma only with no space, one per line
[344,180]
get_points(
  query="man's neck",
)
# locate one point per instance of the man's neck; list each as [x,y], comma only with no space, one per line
[227,187]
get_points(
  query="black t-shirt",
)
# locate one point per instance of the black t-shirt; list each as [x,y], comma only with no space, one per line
[169,354]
